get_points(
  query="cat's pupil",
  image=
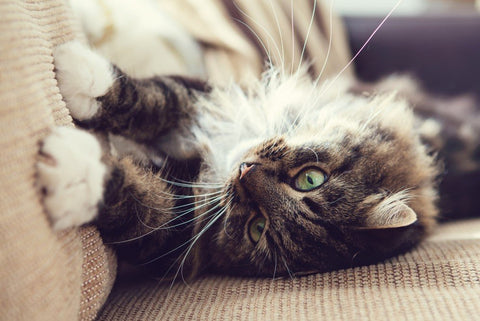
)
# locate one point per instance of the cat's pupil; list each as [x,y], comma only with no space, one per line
[260,228]
[310,179]
[256,228]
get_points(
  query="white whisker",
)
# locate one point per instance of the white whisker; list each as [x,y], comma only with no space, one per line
[187,212]
[211,186]
[330,40]
[286,267]
[183,197]
[268,34]
[139,218]
[179,246]
[279,33]
[212,221]
[267,52]
[361,48]
[314,152]
[186,252]
[161,227]
[199,183]
[226,217]
[204,197]
[293,36]
[275,267]
[308,34]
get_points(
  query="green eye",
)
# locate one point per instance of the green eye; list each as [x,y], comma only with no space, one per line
[309,179]
[256,227]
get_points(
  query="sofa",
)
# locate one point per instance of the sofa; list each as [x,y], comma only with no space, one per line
[72,275]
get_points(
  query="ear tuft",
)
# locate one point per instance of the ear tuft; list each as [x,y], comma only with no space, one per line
[390,215]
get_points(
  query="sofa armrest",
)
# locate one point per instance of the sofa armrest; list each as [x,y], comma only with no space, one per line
[43,275]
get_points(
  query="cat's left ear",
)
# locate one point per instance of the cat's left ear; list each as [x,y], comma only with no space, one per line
[389,213]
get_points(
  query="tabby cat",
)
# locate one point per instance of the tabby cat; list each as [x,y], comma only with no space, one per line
[286,178]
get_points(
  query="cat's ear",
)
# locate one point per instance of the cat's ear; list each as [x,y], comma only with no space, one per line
[387,215]
[389,228]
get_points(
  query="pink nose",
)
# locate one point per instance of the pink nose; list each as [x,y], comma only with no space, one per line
[245,168]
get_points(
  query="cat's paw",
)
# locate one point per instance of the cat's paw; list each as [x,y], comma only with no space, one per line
[71,176]
[82,75]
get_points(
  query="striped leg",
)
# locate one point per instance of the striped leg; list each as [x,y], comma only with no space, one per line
[132,205]
[152,111]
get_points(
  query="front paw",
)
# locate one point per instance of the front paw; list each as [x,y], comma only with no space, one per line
[82,75]
[71,175]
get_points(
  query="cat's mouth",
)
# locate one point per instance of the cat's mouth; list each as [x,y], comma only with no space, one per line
[242,198]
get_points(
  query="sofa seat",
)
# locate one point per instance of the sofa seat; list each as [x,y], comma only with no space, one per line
[439,280]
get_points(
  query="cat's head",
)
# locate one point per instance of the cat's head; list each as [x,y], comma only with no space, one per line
[319,181]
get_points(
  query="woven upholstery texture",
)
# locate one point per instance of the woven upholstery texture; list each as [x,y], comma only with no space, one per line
[43,275]
[440,280]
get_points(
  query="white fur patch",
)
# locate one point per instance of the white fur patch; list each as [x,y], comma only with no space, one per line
[82,76]
[72,177]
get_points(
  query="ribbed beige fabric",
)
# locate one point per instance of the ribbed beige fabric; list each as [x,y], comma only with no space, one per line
[43,275]
[440,280]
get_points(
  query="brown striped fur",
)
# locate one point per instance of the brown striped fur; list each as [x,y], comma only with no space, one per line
[147,110]
[451,127]
[322,229]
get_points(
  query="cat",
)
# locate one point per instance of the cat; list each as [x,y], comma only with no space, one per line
[299,183]
[285,178]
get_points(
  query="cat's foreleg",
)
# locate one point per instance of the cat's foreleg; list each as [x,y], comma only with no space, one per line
[148,111]
[131,205]
[140,215]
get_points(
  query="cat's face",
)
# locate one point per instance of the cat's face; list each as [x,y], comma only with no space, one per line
[308,208]
[341,189]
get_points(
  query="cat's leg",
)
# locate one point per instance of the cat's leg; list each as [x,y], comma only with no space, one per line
[141,215]
[132,206]
[154,112]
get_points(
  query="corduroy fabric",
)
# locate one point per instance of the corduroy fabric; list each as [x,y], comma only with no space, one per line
[43,275]
[440,280]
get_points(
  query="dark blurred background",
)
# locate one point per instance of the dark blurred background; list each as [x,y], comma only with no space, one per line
[436,41]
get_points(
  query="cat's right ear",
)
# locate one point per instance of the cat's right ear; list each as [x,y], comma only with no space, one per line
[390,228]
[389,214]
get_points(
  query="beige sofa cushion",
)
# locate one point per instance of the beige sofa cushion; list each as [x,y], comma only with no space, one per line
[440,280]
[43,275]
